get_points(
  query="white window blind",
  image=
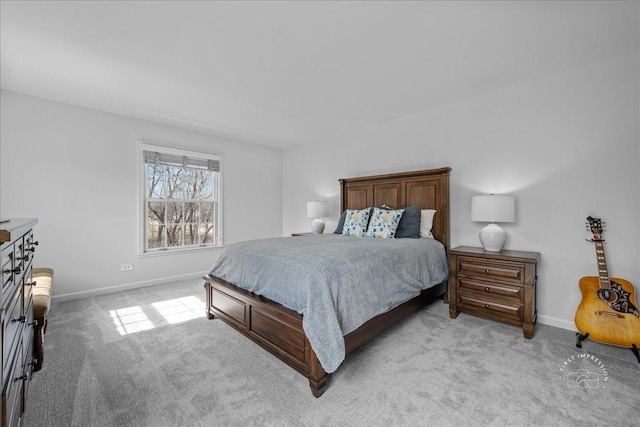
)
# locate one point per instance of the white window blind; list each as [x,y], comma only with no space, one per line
[166,159]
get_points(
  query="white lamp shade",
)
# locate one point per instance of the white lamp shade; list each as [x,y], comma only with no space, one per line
[317,209]
[493,209]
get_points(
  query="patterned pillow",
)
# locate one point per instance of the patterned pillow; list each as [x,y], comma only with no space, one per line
[355,223]
[384,223]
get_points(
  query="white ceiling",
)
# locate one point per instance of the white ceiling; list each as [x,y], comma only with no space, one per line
[286,73]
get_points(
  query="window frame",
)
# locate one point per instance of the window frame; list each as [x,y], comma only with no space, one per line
[142,200]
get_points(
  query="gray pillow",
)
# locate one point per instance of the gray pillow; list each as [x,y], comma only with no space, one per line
[340,223]
[409,225]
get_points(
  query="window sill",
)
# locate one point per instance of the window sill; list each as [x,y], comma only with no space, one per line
[178,251]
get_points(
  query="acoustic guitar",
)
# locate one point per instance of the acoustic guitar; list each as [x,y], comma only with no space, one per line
[607,313]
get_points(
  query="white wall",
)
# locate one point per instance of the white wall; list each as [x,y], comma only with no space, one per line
[76,170]
[565,145]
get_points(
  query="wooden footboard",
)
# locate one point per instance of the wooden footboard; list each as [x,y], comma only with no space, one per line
[273,326]
[279,330]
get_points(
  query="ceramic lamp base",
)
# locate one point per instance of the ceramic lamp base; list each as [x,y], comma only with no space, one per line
[317,226]
[493,238]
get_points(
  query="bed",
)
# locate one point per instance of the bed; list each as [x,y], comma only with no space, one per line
[279,329]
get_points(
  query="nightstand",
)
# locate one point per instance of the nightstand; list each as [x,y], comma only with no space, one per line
[495,285]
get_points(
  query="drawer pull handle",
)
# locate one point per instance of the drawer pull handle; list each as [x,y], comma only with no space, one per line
[20,319]
[486,289]
[31,284]
[22,377]
[486,306]
[31,249]
[486,270]
[14,271]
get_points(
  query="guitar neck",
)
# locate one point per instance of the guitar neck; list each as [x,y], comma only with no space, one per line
[603,274]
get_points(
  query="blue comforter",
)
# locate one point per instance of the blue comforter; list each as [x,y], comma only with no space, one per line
[336,282]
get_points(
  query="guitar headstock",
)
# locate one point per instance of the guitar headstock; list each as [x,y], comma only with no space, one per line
[595,225]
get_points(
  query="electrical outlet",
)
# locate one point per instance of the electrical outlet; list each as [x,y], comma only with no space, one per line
[126,267]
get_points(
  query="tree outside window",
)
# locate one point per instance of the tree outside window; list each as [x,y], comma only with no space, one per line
[181,201]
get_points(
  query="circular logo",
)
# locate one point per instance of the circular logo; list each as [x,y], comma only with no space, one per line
[584,370]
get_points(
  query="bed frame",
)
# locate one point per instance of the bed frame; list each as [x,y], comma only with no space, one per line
[279,330]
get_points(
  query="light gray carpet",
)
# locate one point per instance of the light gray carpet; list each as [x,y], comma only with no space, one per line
[429,370]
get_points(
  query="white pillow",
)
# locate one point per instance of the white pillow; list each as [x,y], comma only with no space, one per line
[426,222]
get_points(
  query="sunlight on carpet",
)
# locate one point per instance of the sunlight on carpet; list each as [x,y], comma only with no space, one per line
[133,319]
[180,309]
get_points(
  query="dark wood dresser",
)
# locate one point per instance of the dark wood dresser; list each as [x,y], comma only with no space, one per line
[16,316]
[495,285]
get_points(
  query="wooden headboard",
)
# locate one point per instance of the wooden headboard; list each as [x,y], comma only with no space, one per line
[428,189]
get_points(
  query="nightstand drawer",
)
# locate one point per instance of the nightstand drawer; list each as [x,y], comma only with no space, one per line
[505,310]
[488,289]
[478,268]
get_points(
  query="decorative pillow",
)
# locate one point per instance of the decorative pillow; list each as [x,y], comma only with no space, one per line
[409,225]
[384,223]
[426,222]
[355,223]
[340,223]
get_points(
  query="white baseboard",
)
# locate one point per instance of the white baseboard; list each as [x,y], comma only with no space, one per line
[135,285]
[558,323]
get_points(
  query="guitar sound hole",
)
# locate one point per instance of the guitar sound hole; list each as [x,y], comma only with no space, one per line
[607,296]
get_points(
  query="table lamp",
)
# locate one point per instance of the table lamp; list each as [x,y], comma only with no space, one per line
[316,210]
[493,209]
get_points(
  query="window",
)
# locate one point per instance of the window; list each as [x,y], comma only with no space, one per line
[181,199]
